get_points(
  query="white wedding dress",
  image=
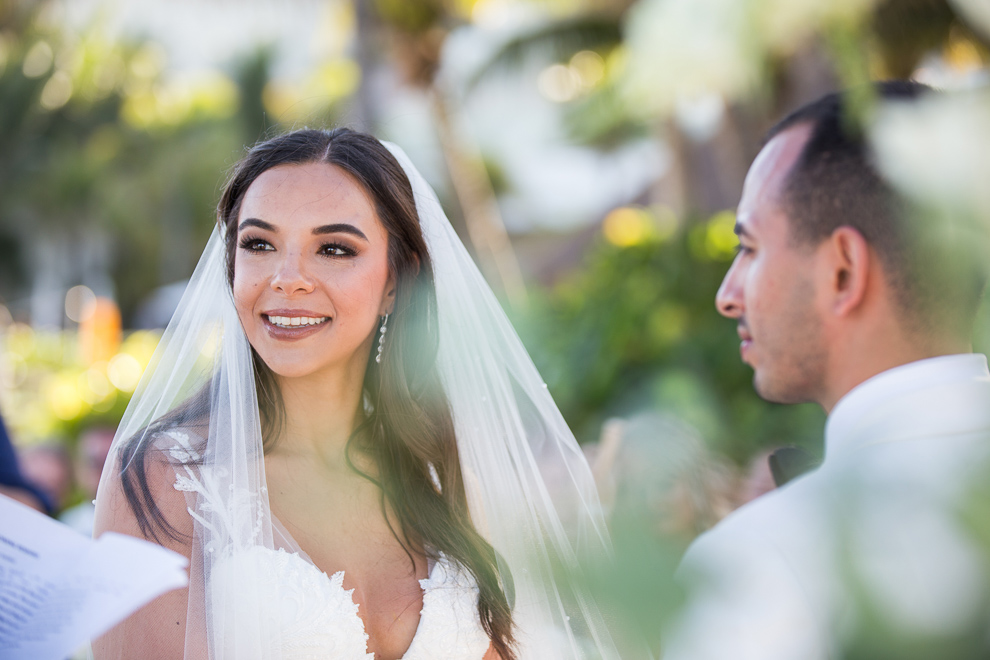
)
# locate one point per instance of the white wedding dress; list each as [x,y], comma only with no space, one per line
[319,619]
[316,616]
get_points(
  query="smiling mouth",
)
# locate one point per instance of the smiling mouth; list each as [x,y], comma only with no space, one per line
[296,321]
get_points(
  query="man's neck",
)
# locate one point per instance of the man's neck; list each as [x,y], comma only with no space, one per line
[853,367]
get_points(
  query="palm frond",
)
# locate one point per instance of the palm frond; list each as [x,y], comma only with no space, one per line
[559,39]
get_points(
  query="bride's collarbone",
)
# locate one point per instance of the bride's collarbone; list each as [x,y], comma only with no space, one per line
[314,504]
[301,482]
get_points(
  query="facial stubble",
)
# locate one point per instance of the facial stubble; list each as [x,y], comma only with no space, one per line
[794,356]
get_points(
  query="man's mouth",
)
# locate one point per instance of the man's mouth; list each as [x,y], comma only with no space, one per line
[746,340]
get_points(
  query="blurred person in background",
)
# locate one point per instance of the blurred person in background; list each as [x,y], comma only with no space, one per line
[654,466]
[344,434]
[91,455]
[13,484]
[846,297]
[49,467]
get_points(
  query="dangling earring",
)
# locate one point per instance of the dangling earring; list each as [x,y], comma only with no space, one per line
[381,340]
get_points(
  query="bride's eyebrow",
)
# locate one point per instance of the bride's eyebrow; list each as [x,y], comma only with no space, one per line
[339,228]
[260,224]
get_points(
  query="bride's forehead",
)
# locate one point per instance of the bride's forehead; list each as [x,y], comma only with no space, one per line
[306,190]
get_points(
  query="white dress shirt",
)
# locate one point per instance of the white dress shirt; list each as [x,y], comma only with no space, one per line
[773,580]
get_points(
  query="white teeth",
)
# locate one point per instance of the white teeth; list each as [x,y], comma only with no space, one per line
[288,322]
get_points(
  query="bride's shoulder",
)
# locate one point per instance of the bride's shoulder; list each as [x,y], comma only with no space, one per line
[141,493]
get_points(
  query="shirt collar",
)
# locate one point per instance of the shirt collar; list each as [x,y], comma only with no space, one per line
[898,382]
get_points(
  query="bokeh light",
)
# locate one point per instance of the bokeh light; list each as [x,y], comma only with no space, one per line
[80,303]
[559,83]
[627,226]
[124,372]
[57,91]
[64,396]
[38,60]
[589,66]
[720,236]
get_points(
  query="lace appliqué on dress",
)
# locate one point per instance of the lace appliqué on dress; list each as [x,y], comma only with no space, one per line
[225,511]
[449,625]
[316,616]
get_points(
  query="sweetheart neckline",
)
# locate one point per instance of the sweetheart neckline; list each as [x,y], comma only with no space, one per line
[426,584]
[280,527]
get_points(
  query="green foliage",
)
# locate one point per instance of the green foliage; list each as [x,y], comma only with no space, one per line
[94,141]
[602,119]
[636,328]
[56,393]
[413,17]
[557,39]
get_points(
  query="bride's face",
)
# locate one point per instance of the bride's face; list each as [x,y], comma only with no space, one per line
[311,274]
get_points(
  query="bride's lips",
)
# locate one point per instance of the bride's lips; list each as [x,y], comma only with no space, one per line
[278,323]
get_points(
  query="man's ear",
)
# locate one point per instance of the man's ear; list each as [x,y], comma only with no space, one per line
[848,264]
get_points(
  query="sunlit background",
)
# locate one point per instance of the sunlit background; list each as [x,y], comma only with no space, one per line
[589,152]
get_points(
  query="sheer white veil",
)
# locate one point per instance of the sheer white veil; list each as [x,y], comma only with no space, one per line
[530,491]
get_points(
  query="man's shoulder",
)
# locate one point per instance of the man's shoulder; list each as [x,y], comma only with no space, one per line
[787,521]
[758,583]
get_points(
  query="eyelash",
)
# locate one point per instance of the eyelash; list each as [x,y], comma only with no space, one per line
[250,244]
[347,251]
[742,249]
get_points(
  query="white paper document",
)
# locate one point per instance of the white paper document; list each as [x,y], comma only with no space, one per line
[59,589]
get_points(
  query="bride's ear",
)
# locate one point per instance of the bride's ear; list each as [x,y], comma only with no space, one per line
[388,298]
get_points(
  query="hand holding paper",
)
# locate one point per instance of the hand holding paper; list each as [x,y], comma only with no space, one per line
[59,589]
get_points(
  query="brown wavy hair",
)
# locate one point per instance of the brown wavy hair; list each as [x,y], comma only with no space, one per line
[408,429]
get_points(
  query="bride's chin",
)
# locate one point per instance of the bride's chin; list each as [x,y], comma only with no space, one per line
[290,371]
[303,367]
[293,363]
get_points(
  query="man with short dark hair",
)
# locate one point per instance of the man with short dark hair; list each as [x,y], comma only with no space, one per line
[846,297]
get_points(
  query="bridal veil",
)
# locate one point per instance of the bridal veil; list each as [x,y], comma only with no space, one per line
[530,491]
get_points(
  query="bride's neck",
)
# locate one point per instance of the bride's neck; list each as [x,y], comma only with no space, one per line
[321,412]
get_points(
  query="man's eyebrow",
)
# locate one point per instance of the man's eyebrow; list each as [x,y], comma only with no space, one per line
[260,224]
[339,228]
[740,230]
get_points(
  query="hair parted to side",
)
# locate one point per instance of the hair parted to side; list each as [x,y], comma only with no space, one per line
[933,268]
[408,427]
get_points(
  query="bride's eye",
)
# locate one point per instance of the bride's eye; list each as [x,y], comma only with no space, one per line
[336,250]
[255,244]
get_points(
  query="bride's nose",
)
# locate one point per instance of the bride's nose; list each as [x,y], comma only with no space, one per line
[291,275]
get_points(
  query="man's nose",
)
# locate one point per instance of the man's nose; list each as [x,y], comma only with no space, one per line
[728,300]
[292,276]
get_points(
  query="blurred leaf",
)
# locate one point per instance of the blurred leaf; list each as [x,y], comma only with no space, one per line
[558,40]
